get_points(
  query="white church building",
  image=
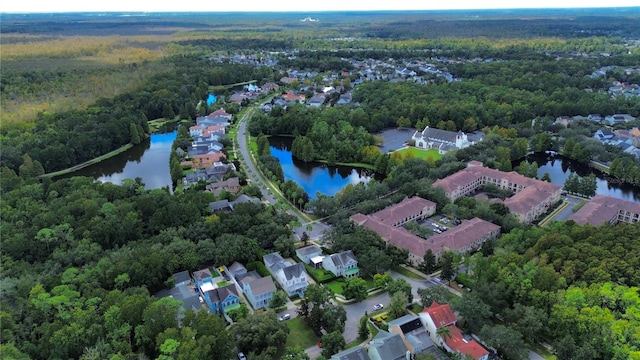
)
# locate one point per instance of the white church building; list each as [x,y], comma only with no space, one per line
[443,140]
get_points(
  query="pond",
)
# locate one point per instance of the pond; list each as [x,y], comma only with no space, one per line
[148,161]
[315,177]
[559,168]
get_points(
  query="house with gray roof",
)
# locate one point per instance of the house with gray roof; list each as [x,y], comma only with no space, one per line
[222,299]
[291,277]
[413,333]
[305,254]
[431,138]
[387,346]
[354,353]
[236,269]
[182,278]
[343,264]
[258,291]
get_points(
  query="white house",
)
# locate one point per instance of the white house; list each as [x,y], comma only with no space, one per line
[305,254]
[342,264]
[292,278]
[443,140]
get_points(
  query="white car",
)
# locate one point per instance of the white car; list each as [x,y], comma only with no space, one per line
[377,307]
[284,317]
[241,356]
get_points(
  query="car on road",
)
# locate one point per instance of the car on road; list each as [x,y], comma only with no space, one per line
[241,356]
[284,317]
[377,307]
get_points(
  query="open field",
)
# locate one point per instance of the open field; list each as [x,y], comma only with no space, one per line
[429,155]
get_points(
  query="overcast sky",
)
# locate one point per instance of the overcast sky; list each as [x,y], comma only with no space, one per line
[48,6]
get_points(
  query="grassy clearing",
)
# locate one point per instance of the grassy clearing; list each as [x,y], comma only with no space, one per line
[542,351]
[412,152]
[408,273]
[578,206]
[300,336]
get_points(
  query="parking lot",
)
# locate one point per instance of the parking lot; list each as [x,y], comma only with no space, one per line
[394,139]
[439,224]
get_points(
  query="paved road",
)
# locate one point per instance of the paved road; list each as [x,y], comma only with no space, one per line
[317,228]
[566,213]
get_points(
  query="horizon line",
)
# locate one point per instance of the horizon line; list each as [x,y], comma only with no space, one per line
[309,11]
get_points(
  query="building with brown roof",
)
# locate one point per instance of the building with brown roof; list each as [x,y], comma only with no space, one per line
[413,208]
[466,237]
[469,235]
[532,197]
[606,209]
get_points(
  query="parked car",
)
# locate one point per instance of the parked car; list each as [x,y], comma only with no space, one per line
[377,307]
[284,317]
[241,356]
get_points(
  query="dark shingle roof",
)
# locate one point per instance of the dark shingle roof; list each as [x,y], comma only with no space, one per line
[354,353]
[293,271]
[388,346]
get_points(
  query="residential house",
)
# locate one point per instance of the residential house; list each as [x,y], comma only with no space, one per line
[603,134]
[258,291]
[387,346]
[236,269]
[317,100]
[203,280]
[196,130]
[532,197]
[182,278]
[438,316]
[226,205]
[606,209]
[221,113]
[292,277]
[218,299]
[413,333]
[206,121]
[305,254]
[354,353]
[270,86]
[206,160]
[431,138]
[342,264]
[231,185]
[222,299]
[292,97]
[618,118]
[183,292]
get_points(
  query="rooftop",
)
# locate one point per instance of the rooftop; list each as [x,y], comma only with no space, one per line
[406,208]
[602,209]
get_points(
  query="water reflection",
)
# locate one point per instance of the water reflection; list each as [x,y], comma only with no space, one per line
[315,177]
[559,168]
[148,161]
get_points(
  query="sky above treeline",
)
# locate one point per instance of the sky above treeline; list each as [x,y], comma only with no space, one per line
[48,6]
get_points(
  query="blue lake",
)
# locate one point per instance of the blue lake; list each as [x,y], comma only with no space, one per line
[148,161]
[315,177]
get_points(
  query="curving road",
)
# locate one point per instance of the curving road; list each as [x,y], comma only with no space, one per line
[255,176]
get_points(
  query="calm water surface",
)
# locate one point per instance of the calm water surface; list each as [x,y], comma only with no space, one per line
[148,161]
[315,177]
[559,167]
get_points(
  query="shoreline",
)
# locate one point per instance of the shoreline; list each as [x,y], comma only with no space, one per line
[88,163]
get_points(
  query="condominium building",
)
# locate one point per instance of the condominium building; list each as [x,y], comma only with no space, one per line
[531,198]
[606,209]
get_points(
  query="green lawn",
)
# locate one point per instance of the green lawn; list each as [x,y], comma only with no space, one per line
[407,273]
[336,285]
[223,283]
[300,336]
[431,154]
